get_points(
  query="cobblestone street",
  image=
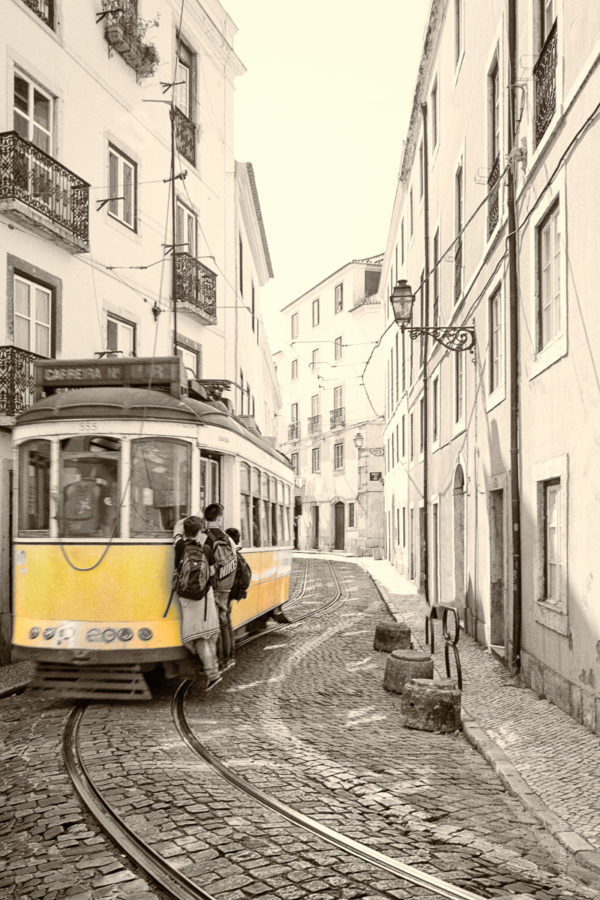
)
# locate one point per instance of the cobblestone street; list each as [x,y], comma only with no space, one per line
[303,717]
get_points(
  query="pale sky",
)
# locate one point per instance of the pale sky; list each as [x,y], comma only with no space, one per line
[321,114]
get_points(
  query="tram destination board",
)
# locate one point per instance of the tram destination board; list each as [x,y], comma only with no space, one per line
[164,372]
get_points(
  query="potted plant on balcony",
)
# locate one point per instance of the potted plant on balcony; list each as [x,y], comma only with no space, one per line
[117,30]
[147,62]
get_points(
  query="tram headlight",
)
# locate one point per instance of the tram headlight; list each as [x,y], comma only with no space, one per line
[145,634]
[93,634]
[34,632]
[49,633]
[124,634]
[108,635]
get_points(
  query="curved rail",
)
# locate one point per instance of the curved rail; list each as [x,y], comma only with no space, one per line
[152,864]
[336,838]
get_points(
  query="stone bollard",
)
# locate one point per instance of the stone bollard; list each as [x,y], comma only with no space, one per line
[402,665]
[391,636]
[431,705]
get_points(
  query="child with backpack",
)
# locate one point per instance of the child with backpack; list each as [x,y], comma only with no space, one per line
[192,584]
[223,559]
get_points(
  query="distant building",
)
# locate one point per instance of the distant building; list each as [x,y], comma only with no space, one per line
[86,211]
[332,329]
[492,490]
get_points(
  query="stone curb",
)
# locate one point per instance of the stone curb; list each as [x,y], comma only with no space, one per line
[583,853]
[16,688]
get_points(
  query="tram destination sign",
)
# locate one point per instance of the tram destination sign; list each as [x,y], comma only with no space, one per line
[162,373]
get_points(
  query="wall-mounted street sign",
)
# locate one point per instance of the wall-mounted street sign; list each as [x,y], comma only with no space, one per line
[375,476]
[162,373]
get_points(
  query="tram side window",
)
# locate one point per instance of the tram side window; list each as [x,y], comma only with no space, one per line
[287,514]
[209,481]
[245,505]
[280,513]
[274,529]
[160,485]
[34,487]
[89,487]
[265,519]
[256,505]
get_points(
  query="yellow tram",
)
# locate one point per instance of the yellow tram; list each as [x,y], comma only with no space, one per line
[112,454]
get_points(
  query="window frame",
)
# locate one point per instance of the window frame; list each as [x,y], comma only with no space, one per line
[34,322]
[294,322]
[316,312]
[116,205]
[552,612]
[338,294]
[558,346]
[315,460]
[337,348]
[32,87]
[338,456]
[120,323]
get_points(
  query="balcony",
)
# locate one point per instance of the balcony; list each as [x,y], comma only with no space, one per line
[493,184]
[337,417]
[544,79]
[39,192]
[185,136]
[196,287]
[294,431]
[125,33]
[44,9]
[314,425]
[17,383]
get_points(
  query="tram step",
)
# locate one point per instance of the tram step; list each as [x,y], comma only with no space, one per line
[124,682]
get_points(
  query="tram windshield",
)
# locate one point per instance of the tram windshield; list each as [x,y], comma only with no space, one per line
[89,487]
[160,485]
[34,493]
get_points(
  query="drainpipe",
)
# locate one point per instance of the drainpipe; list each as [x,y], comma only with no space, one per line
[424,338]
[513,287]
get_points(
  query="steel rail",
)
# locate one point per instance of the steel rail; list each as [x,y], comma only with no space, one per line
[336,838]
[152,864]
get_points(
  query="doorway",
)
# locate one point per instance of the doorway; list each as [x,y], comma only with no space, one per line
[459,538]
[497,569]
[315,519]
[411,544]
[422,538]
[339,526]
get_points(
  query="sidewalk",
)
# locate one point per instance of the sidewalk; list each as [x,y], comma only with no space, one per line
[542,755]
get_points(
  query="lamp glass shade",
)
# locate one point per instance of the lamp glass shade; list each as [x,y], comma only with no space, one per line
[358,440]
[402,300]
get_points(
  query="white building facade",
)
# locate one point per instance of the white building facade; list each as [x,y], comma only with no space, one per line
[332,329]
[491,489]
[111,242]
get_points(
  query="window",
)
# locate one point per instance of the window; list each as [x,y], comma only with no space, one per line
[552,539]
[550,560]
[403,362]
[33,111]
[122,178]
[294,369]
[34,487]
[338,456]
[256,508]
[120,335]
[458,27]
[434,115]
[241,272]
[493,147]
[338,348]
[436,278]
[459,386]
[458,225]
[33,316]
[160,485]
[253,308]
[547,16]
[403,436]
[549,323]
[397,378]
[89,487]
[191,359]
[411,437]
[397,442]
[295,465]
[393,450]
[435,410]
[245,504]
[339,297]
[411,218]
[421,170]
[351,518]
[184,82]
[315,312]
[421,425]
[294,325]
[185,229]
[315,358]
[496,341]
[402,241]
[316,460]
[404,526]
[210,484]
[294,412]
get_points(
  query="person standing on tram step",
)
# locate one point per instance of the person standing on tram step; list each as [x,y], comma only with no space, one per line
[199,617]
[223,557]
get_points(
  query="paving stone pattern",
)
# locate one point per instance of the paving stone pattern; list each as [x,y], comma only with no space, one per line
[559,758]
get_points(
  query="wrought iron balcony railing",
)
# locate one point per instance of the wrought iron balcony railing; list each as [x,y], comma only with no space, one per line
[17,383]
[30,176]
[196,285]
[44,9]
[493,195]
[337,417]
[294,431]
[544,77]
[314,425]
[458,272]
[185,136]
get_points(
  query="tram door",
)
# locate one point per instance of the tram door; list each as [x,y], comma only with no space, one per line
[210,488]
[339,526]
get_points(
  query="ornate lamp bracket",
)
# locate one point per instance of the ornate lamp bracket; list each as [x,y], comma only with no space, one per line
[459,337]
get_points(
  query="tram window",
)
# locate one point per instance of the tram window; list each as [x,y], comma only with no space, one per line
[287,514]
[245,505]
[265,518]
[256,509]
[34,487]
[89,487]
[273,496]
[160,485]
[209,481]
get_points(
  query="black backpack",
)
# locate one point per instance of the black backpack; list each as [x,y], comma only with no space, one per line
[224,559]
[192,577]
[243,577]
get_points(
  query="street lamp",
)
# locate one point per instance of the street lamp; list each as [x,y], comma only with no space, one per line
[359,441]
[453,337]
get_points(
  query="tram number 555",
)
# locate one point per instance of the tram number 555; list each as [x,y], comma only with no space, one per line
[88,426]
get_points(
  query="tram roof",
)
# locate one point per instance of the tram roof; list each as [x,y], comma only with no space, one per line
[138,403]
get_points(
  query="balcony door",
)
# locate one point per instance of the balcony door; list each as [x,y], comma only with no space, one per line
[33,110]
[32,316]
[186,230]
